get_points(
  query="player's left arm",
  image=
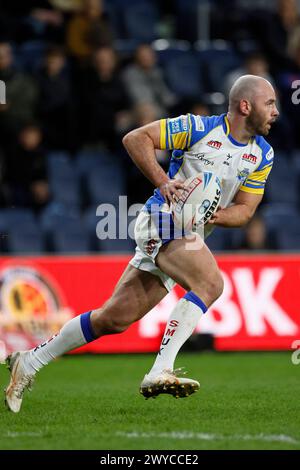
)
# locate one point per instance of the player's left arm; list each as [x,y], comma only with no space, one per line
[250,194]
[239,214]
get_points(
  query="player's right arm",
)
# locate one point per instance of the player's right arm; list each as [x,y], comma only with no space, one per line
[140,145]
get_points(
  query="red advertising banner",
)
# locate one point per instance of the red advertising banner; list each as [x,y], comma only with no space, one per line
[259,309]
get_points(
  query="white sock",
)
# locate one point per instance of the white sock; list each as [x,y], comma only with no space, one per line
[74,333]
[180,326]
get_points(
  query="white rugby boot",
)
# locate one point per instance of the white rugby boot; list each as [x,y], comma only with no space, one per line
[19,381]
[168,382]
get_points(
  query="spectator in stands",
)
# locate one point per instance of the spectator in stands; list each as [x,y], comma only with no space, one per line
[26,172]
[255,64]
[256,237]
[88,30]
[277,30]
[55,103]
[31,20]
[145,83]
[286,80]
[21,96]
[104,100]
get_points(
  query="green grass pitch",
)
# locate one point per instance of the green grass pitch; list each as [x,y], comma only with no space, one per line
[246,401]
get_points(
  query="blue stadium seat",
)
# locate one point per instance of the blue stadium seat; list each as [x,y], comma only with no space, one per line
[289,239]
[280,216]
[218,240]
[30,55]
[140,21]
[28,239]
[217,59]
[57,215]
[106,184]
[87,160]
[15,218]
[71,240]
[167,50]
[63,179]
[282,185]
[117,246]
[184,77]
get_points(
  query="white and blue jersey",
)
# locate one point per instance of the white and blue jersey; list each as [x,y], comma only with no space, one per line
[205,144]
[199,144]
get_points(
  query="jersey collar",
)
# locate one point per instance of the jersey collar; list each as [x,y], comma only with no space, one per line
[226,128]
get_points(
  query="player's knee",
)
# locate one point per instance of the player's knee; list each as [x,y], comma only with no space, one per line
[215,286]
[210,288]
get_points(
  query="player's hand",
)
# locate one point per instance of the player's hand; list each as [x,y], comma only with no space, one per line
[217,217]
[170,190]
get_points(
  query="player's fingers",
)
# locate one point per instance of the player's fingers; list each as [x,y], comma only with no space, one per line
[179,185]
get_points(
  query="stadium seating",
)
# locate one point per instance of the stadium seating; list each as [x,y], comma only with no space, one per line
[289,238]
[71,239]
[15,218]
[140,21]
[184,77]
[26,239]
[105,184]
[217,59]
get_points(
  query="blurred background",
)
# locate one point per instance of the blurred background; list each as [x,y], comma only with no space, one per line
[79,74]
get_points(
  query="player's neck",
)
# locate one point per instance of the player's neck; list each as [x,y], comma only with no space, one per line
[237,129]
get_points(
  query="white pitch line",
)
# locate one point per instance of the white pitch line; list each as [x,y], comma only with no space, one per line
[22,434]
[210,437]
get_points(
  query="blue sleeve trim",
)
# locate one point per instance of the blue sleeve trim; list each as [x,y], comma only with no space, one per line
[85,323]
[195,300]
[208,123]
[267,152]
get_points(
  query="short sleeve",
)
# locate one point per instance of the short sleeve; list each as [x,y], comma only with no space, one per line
[181,132]
[256,181]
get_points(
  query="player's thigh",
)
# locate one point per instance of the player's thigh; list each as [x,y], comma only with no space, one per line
[193,267]
[136,293]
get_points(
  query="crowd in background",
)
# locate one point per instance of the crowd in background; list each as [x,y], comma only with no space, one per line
[79,74]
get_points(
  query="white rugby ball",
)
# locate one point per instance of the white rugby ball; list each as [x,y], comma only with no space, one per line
[198,201]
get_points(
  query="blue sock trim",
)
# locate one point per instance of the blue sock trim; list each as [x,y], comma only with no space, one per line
[196,300]
[85,322]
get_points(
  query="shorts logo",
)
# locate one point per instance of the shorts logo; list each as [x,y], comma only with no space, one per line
[150,246]
[178,125]
[249,158]
[215,144]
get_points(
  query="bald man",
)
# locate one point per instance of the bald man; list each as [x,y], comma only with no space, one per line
[230,146]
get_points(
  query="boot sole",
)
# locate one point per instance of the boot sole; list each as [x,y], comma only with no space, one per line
[174,389]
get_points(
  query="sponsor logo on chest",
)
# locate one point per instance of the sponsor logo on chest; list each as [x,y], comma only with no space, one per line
[215,144]
[249,157]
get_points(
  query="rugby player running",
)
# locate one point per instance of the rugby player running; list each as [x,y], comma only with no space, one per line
[236,152]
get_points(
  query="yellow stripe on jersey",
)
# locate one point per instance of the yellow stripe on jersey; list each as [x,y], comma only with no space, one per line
[257,178]
[261,175]
[227,126]
[252,190]
[179,140]
[163,134]
[190,133]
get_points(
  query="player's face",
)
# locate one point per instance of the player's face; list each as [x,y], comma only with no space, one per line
[263,113]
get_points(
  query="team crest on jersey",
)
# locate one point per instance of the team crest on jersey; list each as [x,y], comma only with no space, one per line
[215,144]
[178,125]
[242,175]
[249,157]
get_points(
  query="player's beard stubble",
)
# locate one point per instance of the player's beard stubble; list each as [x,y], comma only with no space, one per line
[257,124]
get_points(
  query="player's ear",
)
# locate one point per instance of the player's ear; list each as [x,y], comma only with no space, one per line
[245,107]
